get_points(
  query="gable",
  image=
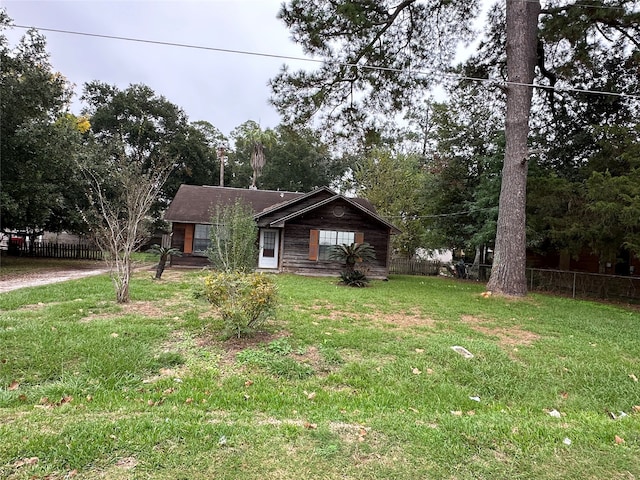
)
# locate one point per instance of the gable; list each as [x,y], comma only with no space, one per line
[326,210]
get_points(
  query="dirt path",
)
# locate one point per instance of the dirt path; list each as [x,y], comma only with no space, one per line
[45,278]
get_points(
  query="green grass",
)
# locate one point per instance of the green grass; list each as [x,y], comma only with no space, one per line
[346,383]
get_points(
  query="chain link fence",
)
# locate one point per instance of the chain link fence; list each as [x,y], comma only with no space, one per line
[561,282]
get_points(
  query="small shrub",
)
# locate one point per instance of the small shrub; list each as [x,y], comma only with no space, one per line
[356,278]
[245,300]
[350,255]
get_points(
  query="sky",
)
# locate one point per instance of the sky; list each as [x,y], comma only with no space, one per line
[225,89]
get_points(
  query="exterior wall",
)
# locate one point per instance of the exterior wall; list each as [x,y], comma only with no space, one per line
[182,239]
[295,252]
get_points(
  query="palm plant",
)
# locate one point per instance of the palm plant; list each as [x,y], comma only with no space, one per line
[352,254]
[165,253]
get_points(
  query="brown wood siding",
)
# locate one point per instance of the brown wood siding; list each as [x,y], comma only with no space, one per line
[177,236]
[296,252]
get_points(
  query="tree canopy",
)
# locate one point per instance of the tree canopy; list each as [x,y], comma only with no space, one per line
[40,187]
[377,57]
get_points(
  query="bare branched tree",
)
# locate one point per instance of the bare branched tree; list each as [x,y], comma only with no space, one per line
[121,195]
[132,147]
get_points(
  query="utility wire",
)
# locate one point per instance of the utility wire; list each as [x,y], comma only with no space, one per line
[440,215]
[318,61]
[580,5]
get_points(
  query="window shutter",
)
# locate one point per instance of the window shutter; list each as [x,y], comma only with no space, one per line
[188,238]
[314,238]
[359,237]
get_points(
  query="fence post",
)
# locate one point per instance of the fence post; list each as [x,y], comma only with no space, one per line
[574,285]
[531,288]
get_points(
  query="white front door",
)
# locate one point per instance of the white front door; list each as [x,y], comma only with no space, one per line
[269,243]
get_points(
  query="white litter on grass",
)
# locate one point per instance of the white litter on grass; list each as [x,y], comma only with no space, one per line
[555,413]
[475,399]
[616,417]
[462,351]
[567,441]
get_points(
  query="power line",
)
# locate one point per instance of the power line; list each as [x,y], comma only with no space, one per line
[353,65]
[581,5]
[171,44]
[441,215]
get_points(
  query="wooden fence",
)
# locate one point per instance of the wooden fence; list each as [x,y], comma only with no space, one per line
[405,266]
[54,250]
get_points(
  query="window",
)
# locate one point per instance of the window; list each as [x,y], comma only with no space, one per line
[329,238]
[269,243]
[201,238]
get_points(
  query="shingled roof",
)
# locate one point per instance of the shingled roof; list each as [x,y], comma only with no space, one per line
[194,203]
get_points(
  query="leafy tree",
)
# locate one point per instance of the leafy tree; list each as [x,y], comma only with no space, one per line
[233,239]
[196,146]
[614,206]
[130,156]
[299,161]
[589,47]
[464,171]
[40,185]
[395,185]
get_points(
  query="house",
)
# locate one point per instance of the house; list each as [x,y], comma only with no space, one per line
[296,230]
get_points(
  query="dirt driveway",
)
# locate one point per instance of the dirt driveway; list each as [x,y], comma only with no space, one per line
[45,278]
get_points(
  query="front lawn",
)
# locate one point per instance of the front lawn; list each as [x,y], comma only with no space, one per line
[346,383]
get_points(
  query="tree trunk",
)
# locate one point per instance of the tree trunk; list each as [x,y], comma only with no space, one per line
[160,267]
[509,264]
[120,275]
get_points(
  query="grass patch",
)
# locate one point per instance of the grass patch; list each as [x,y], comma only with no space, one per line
[347,383]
